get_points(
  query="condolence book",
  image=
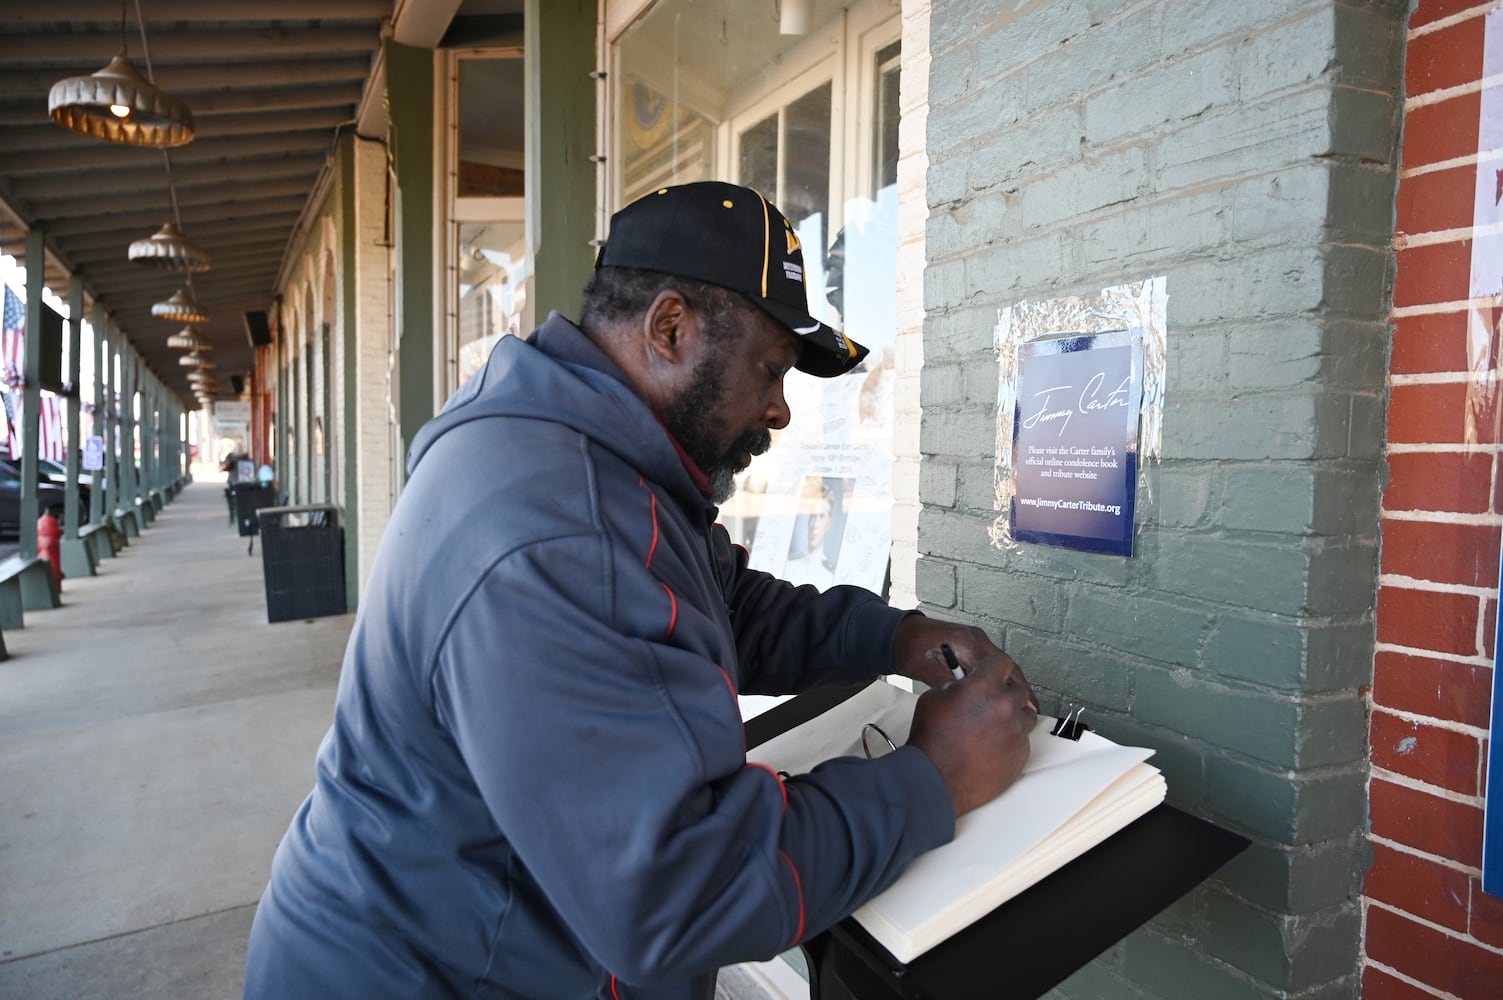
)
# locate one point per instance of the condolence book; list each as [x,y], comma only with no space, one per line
[1076,790]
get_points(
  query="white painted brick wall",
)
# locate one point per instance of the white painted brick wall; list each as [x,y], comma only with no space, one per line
[913,214]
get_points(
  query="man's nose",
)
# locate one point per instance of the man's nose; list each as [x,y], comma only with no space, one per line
[778,414]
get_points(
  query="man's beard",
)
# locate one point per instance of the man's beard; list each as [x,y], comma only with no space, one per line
[694,419]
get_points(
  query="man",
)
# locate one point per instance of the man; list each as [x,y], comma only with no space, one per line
[535,785]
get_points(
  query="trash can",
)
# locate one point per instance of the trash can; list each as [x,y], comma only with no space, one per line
[250,496]
[302,559]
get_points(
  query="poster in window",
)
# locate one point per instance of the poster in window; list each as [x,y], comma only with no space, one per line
[1075,441]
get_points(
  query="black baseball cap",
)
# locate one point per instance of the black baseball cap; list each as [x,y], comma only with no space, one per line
[730,236]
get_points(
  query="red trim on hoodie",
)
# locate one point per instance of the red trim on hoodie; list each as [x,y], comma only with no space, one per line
[798,884]
[781,787]
[673,618]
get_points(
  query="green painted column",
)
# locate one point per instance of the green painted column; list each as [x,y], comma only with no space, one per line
[560,58]
[409,95]
[109,424]
[70,459]
[31,393]
[101,412]
[128,382]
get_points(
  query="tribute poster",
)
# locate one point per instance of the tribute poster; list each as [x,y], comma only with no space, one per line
[1075,441]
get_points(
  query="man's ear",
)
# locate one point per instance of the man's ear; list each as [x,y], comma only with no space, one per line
[669,327]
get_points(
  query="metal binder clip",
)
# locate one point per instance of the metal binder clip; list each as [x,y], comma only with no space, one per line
[878,729]
[1069,725]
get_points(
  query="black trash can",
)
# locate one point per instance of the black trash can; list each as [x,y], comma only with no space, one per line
[302,559]
[250,497]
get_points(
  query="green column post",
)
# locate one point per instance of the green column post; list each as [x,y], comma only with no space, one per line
[409,95]
[101,412]
[31,394]
[70,458]
[559,55]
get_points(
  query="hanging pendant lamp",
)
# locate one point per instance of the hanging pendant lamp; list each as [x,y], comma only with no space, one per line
[187,339]
[180,308]
[118,104]
[197,359]
[169,250]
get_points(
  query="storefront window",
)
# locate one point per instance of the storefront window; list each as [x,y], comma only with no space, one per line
[706,90]
[492,290]
[490,128]
[489,269]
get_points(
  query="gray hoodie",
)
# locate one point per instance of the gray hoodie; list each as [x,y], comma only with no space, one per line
[536,781]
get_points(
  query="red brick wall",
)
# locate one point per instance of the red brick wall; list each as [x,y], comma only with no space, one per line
[1430,931]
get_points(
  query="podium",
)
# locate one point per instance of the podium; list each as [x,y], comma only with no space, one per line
[1048,932]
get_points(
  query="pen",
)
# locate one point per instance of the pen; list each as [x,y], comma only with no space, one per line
[951,661]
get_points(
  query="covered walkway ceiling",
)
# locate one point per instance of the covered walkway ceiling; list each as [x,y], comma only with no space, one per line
[270,83]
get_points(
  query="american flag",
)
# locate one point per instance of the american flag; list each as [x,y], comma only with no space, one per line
[50,429]
[13,340]
[50,442]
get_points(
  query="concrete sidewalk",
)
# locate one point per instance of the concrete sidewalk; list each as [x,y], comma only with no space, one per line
[156,735]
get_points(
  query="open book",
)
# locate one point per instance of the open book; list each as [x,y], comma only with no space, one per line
[1074,793]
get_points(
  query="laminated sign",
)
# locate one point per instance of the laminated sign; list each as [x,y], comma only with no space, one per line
[1075,441]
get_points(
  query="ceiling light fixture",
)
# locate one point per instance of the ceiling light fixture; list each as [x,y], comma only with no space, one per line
[187,339]
[197,360]
[180,307]
[168,249]
[118,104]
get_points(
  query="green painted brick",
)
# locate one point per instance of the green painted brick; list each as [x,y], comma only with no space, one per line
[942,384]
[934,582]
[1286,806]
[969,433]
[1270,652]
[1070,674]
[1183,494]
[1181,759]
[1180,919]
[937,482]
[1270,496]
[1283,353]
[1100,980]
[1355,353]
[1245,573]
[1011,597]
[1258,723]
[1272,727]
[1342,575]
[1146,103]
[1341,656]
[1292,654]
[1291,952]
[1265,425]
[1171,969]
[1162,630]
[1298,879]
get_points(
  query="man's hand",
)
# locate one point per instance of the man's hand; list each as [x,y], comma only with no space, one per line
[976,730]
[916,653]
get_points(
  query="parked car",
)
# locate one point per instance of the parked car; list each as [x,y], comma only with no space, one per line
[50,496]
[58,472]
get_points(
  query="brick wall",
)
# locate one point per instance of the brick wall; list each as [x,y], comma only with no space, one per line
[1429,929]
[1247,153]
